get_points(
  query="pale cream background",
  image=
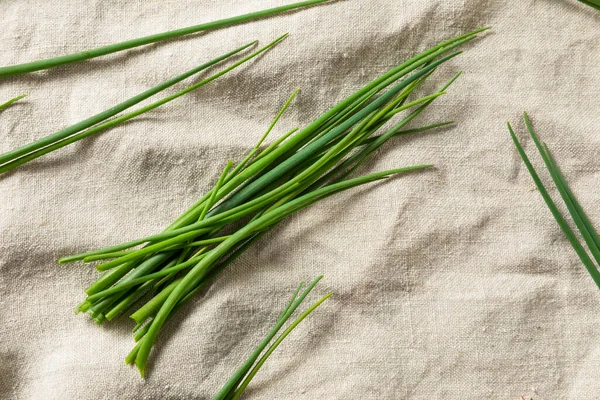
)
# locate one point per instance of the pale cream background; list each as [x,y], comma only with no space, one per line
[450,284]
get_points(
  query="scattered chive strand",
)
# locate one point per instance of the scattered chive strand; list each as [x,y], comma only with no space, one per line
[129,44]
[9,103]
[38,148]
[238,383]
[581,220]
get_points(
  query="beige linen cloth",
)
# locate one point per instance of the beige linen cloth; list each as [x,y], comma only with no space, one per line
[454,283]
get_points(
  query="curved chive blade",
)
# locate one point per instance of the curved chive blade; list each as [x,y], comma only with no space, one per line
[9,103]
[242,371]
[129,44]
[585,258]
[15,158]
[277,342]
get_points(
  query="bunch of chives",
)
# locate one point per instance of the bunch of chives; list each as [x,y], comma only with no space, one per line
[581,220]
[303,167]
[237,384]
[102,121]
[130,44]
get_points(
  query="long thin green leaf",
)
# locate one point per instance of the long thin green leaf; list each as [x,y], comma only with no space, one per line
[556,213]
[277,342]
[245,161]
[129,44]
[119,120]
[276,143]
[87,123]
[9,103]
[409,131]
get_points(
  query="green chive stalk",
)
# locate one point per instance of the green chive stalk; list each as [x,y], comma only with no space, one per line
[581,220]
[248,200]
[95,124]
[129,44]
[238,383]
[9,103]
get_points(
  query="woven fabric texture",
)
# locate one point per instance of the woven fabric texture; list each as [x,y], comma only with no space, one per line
[454,283]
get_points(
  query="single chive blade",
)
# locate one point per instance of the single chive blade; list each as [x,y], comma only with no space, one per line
[9,103]
[213,197]
[113,48]
[411,131]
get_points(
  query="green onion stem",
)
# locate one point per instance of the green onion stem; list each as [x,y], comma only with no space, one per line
[240,390]
[9,103]
[80,126]
[119,120]
[564,226]
[129,44]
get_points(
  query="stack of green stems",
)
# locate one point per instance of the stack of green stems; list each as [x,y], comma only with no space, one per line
[303,167]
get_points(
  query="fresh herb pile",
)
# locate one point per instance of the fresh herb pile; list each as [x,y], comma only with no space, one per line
[101,122]
[237,384]
[301,168]
[577,214]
